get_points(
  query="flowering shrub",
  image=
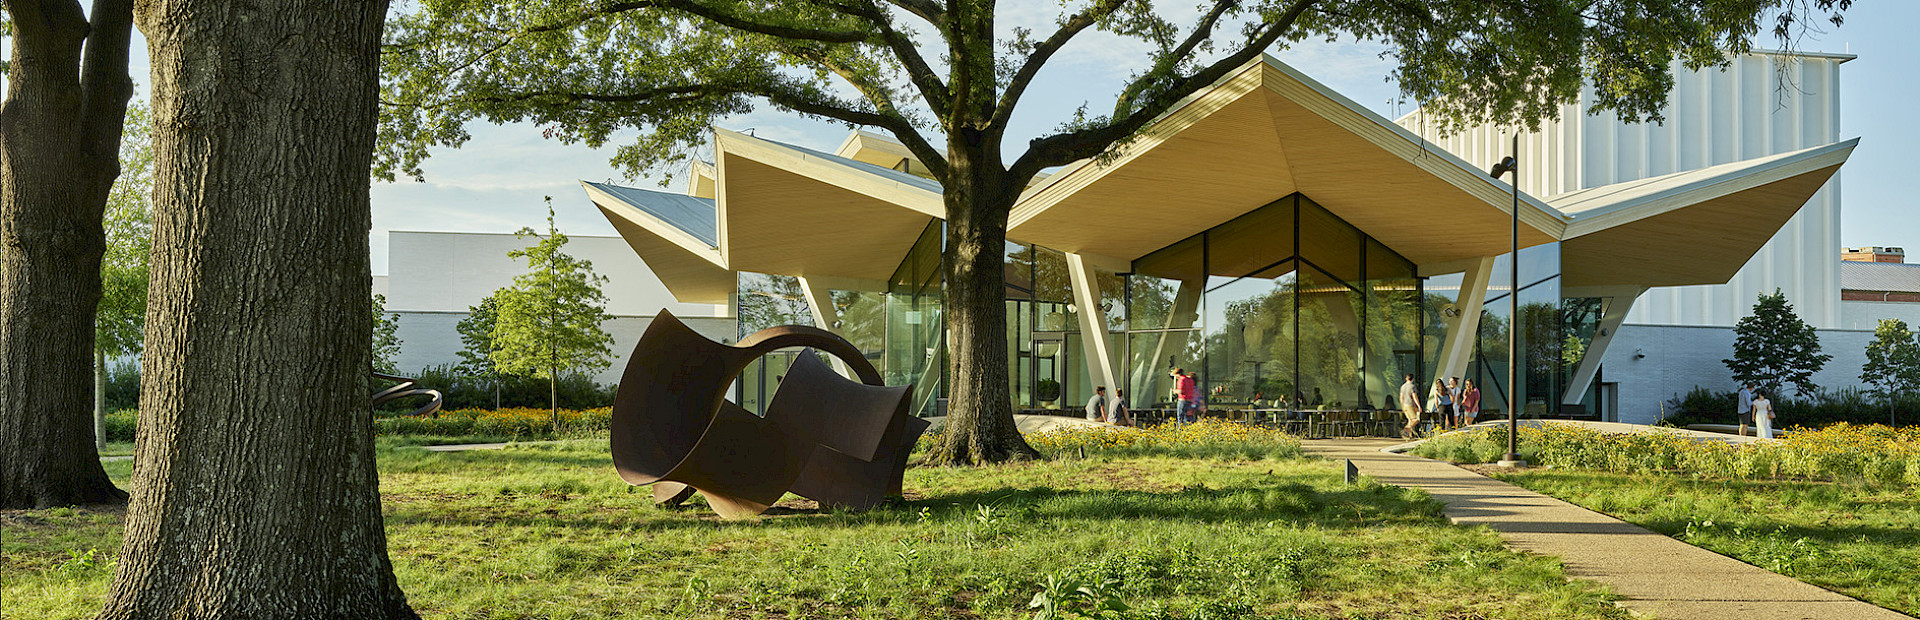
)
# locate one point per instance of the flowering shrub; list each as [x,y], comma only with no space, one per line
[1206,438]
[1875,454]
[514,422]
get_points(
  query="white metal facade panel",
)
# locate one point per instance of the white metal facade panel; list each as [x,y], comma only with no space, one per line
[1761,105]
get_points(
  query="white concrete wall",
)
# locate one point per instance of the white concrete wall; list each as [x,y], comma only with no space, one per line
[433,277]
[1867,314]
[1680,358]
[1761,105]
[429,339]
[449,272]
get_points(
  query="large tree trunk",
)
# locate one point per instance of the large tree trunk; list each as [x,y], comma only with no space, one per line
[980,426]
[59,153]
[979,194]
[255,489]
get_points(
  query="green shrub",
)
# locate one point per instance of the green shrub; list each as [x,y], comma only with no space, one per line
[1849,405]
[1870,454]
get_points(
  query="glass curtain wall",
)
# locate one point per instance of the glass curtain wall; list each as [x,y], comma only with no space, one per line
[1543,330]
[1288,304]
[914,322]
[764,301]
[1044,344]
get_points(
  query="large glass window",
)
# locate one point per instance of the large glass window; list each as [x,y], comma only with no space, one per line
[1543,367]
[1288,305]
[914,324]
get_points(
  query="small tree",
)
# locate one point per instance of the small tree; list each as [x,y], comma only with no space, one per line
[1773,346]
[549,319]
[1893,362]
[386,336]
[476,334]
[119,323]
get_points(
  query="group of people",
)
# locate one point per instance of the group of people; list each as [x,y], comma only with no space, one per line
[1113,410]
[1755,410]
[1453,402]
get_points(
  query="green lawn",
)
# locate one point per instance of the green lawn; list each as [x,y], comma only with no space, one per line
[1860,540]
[549,532]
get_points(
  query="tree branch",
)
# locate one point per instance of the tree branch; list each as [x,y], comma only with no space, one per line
[737,22]
[1170,62]
[932,89]
[105,86]
[1064,148]
[924,9]
[1044,52]
[883,101]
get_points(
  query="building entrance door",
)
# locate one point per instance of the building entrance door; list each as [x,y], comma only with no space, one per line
[1049,358]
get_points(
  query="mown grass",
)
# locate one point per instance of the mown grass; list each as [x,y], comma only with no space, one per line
[547,531]
[1860,540]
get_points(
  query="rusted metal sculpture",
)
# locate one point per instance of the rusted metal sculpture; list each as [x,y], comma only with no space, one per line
[406,389]
[824,437]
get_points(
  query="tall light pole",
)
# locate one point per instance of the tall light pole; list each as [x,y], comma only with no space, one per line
[1512,164]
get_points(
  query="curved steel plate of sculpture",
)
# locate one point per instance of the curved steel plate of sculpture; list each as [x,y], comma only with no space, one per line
[825,437]
[406,389]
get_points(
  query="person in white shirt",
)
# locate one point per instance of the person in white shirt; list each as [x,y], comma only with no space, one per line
[1410,405]
[1762,416]
[1097,406]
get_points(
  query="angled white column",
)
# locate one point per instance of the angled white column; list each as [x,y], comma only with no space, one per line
[1463,329]
[820,303]
[1093,322]
[1614,313]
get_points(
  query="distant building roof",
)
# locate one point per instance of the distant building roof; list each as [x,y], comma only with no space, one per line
[1895,277]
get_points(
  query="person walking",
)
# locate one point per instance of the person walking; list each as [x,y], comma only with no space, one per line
[1410,405]
[1745,407]
[1189,393]
[1097,406]
[1762,416]
[1469,403]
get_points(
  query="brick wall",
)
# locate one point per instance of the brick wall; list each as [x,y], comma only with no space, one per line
[1850,295]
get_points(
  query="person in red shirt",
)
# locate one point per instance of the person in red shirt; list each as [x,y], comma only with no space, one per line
[1189,395]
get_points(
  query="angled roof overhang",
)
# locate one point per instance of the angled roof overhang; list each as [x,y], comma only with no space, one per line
[793,211]
[1261,134]
[1694,227]
[676,235]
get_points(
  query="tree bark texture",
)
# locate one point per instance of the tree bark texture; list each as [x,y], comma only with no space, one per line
[980,426]
[255,492]
[59,153]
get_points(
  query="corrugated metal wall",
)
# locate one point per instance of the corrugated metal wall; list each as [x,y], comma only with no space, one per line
[1760,105]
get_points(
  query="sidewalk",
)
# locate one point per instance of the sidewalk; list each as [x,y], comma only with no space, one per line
[1653,574]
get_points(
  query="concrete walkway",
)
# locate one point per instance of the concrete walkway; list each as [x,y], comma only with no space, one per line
[1654,575]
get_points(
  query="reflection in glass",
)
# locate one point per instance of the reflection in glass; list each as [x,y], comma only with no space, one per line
[1289,306]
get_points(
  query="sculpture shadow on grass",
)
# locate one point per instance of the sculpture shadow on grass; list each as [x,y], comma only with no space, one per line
[836,441]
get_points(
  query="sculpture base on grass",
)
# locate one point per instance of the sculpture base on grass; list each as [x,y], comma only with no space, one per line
[836,441]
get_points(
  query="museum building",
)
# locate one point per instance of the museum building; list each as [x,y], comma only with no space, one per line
[1273,236]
